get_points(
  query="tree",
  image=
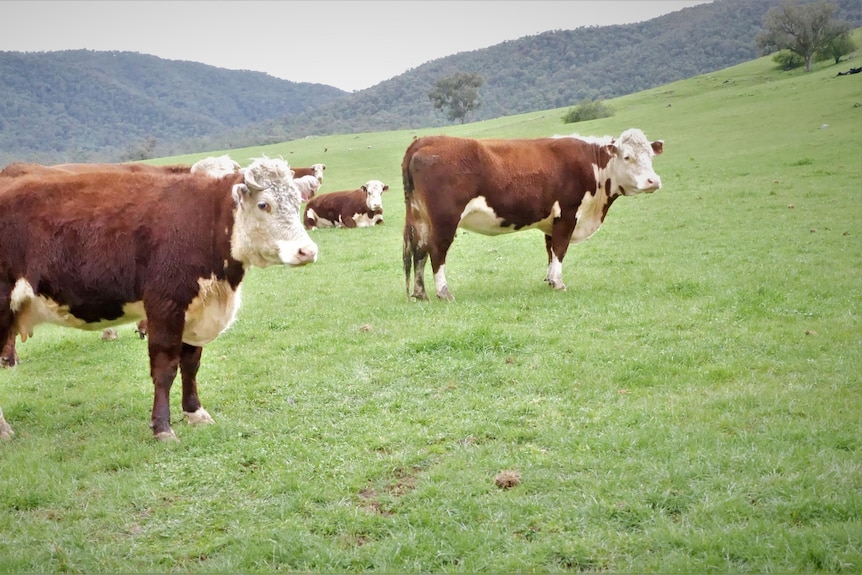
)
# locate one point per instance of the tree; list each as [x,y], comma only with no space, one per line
[838,47]
[459,92]
[800,28]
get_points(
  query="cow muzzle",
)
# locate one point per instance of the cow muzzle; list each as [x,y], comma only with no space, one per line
[297,253]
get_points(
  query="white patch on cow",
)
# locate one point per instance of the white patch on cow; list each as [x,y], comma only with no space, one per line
[554,276]
[481,218]
[589,215]
[440,279]
[363,221]
[30,310]
[211,312]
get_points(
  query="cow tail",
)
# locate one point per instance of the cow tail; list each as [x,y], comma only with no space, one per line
[409,246]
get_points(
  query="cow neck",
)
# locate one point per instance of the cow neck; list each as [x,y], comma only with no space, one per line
[232,270]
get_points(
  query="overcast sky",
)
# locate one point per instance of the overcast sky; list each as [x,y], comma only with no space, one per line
[351,45]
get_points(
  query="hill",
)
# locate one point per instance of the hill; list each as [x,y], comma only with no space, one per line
[111,106]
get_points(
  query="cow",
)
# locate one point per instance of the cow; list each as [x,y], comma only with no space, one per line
[562,186]
[308,186]
[17,169]
[212,166]
[348,209]
[215,166]
[315,170]
[173,248]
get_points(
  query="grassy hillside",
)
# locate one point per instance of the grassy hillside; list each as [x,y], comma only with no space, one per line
[690,404]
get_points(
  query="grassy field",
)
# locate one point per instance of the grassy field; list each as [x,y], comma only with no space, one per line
[692,403]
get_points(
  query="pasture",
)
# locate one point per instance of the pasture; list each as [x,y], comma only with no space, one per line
[691,404]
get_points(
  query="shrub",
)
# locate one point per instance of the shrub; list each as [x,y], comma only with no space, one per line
[588,110]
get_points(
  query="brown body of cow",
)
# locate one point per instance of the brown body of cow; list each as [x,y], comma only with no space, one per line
[347,209]
[99,249]
[562,186]
[17,169]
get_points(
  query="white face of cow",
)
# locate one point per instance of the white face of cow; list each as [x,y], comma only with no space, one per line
[373,190]
[631,166]
[267,225]
[318,171]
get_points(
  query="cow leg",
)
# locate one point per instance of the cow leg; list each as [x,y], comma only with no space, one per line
[5,429]
[165,347]
[8,355]
[445,235]
[190,361]
[420,258]
[557,244]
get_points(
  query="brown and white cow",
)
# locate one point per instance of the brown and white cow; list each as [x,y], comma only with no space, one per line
[315,170]
[562,186]
[348,209]
[17,169]
[308,186]
[173,248]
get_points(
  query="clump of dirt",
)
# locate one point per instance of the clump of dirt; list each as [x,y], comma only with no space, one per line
[507,479]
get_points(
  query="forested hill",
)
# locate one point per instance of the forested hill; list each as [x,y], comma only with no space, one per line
[110,106]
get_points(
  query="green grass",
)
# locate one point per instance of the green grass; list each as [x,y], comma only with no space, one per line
[691,404]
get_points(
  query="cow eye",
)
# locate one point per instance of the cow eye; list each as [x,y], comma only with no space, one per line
[264,206]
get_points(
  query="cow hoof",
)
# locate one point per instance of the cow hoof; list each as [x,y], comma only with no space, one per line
[199,417]
[168,435]
[559,286]
[445,294]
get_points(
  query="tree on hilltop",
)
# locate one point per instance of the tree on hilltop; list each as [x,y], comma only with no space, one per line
[459,92]
[803,29]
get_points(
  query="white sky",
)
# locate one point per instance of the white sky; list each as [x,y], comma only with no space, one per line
[351,45]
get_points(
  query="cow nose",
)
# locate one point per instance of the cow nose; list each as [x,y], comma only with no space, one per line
[653,183]
[307,254]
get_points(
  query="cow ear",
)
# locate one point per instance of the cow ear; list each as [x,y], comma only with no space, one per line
[612,150]
[239,190]
[658,147]
[385,187]
[364,188]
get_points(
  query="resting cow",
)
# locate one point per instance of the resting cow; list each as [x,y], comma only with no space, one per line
[173,248]
[561,186]
[315,170]
[349,209]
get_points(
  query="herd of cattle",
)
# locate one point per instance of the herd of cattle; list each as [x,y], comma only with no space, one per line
[172,249]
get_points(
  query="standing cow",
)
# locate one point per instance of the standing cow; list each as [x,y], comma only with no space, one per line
[349,209]
[98,249]
[562,186]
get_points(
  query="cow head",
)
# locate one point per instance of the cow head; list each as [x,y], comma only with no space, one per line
[631,163]
[267,225]
[373,189]
[318,171]
[216,166]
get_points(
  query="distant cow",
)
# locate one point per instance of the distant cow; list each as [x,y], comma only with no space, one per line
[315,170]
[99,249]
[349,209]
[561,186]
[308,186]
[216,166]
